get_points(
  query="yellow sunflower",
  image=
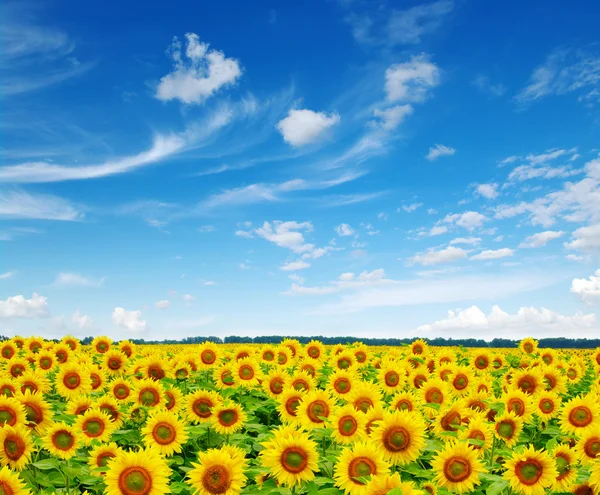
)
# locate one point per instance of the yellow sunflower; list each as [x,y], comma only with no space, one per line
[579,415]
[127,348]
[149,393]
[384,483]
[508,427]
[71,381]
[17,366]
[143,472]
[457,467]
[530,381]
[11,484]
[520,403]
[588,446]
[316,350]
[164,431]
[419,347]
[547,405]
[34,344]
[60,439]
[400,436]
[16,446]
[154,367]
[289,400]
[218,472]
[362,460]
[566,466]
[482,360]
[114,362]
[45,360]
[12,412]
[291,459]
[434,391]
[101,344]
[448,422]
[373,416]
[364,396]
[461,381]
[348,425]
[173,400]
[341,382]
[528,345]
[595,476]
[228,418]
[478,431]
[121,389]
[181,370]
[94,424]
[208,355]
[275,382]
[8,349]
[530,472]
[101,454]
[345,360]
[390,377]
[302,381]
[554,380]
[37,411]
[314,409]
[246,372]
[79,405]
[224,377]
[97,378]
[200,405]
[111,407]
[34,381]
[405,401]
[8,388]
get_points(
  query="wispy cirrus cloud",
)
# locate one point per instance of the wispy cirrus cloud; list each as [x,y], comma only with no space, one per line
[16,203]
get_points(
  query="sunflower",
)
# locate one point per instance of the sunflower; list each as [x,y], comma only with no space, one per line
[390,378]
[37,411]
[419,347]
[355,463]
[223,376]
[111,407]
[457,467]
[530,472]
[246,372]
[60,439]
[208,355]
[400,436]
[97,378]
[301,380]
[291,459]
[308,366]
[434,391]
[364,396]
[595,475]
[127,348]
[289,400]
[228,418]
[34,344]
[149,393]
[71,381]
[528,345]
[275,383]
[461,381]
[114,362]
[554,380]
[316,350]
[94,424]
[7,387]
[12,412]
[267,353]
[101,454]
[477,402]
[405,401]
[218,472]
[292,345]
[384,483]
[315,408]
[181,370]
[588,446]
[478,433]
[8,349]
[143,472]
[530,381]
[566,465]
[283,356]
[173,399]
[449,421]
[361,355]
[101,344]
[341,382]
[79,405]
[579,414]
[11,484]
[200,405]
[547,405]
[345,360]
[482,360]
[429,488]
[508,427]
[164,431]
[121,389]
[17,366]
[62,353]
[520,403]
[373,416]
[348,424]
[16,446]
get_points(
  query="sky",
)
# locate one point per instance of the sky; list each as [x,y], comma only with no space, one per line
[360,168]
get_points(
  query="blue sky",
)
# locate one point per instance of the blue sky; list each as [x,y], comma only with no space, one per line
[300,168]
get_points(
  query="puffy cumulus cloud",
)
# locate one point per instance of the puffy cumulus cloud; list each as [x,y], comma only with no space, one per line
[493,254]
[130,320]
[19,307]
[439,150]
[527,321]
[586,239]
[488,191]
[162,304]
[587,289]
[541,238]
[81,321]
[411,81]
[198,73]
[433,257]
[286,234]
[295,265]
[469,220]
[344,230]
[302,127]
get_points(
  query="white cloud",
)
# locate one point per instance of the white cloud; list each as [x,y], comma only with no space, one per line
[346,281]
[205,229]
[527,322]
[466,240]
[344,230]
[81,321]
[485,85]
[130,320]
[188,298]
[575,257]
[439,150]
[15,203]
[243,233]
[209,282]
[411,207]
[435,230]
[295,265]
[302,127]
[198,73]
[392,117]
[408,26]
[493,254]
[19,307]
[162,304]
[76,280]
[541,238]
[287,235]
[6,275]
[488,191]
[469,220]
[296,278]
[411,81]
[588,290]
[586,239]
[433,257]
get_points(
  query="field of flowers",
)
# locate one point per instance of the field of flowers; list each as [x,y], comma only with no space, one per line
[119,419]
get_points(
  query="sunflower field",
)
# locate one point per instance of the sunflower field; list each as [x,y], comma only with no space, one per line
[290,419]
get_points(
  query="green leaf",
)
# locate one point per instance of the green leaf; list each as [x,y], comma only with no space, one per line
[497,487]
[47,464]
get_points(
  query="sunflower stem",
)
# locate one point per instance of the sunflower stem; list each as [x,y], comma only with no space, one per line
[208,437]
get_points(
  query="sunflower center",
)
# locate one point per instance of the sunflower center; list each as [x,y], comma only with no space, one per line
[477,435]
[342,385]
[7,352]
[450,421]
[434,395]
[317,409]
[7,415]
[580,416]
[457,469]
[135,480]
[101,347]
[14,447]
[517,406]
[360,467]
[460,382]
[268,355]
[347,426]
[583,490]
[396,439]
[417,349]
[96,380]
[550,382]
[6,489]
[506,429]
[294,459]
[300,384]
[228,417]
[114,363]
[121,392]
[592,447]
[149,397]
[208,356]
[8,390]
[291,405]
[17,370]
[164,433]
[481,363]
[216,480]
[445,374]
[529,471]
[344,363]
[282,357]
[63,440]
[227,378]
[404,405]
[127,350]
[61,356]
[547,405]
[71,381]
[246,372]
[527,384]
[102,459]
[563,466]
[45,363]
[363,403]
[572,374]
[276,386]
[392,378]
[156,372]
[314,352]
[170,400]
[419,380]
[202,407]
[110,410]
[35,347]
[528,348]
[93,427]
